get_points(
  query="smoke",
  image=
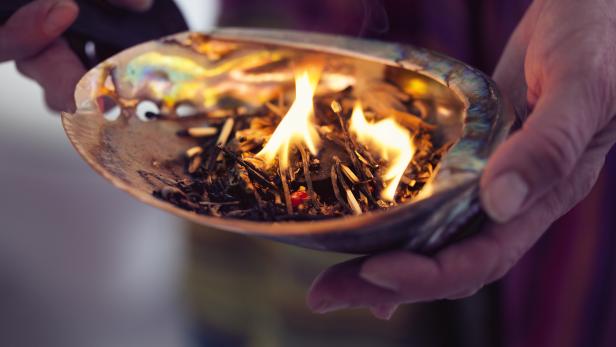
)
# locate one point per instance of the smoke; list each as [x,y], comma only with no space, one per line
[375,20]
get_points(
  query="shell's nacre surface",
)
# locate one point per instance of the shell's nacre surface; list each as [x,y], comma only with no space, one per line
[189,75]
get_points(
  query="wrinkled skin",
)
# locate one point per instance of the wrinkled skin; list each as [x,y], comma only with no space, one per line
[559,63]
[31,38]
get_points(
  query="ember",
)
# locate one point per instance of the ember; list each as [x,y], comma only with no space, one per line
[321,157]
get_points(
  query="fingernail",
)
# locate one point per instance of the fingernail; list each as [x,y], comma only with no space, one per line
[144,5]
[325,306]
[377,279]
[503,197]
[384,312]
[59,17]
[136,5]
[317,305]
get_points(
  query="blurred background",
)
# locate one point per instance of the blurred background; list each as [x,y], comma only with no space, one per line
[83,264]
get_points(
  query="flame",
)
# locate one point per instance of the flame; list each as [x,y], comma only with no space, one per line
[391,141]
[297,125]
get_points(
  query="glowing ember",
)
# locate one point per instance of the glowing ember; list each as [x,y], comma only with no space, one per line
[296,126]
[391,141]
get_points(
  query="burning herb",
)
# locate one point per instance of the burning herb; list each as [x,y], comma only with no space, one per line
[323,162]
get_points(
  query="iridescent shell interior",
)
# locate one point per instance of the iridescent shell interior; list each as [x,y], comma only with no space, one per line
[190,75]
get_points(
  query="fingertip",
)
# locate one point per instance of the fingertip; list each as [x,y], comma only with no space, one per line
[504,196]
[135,5]
[34,27]
[466,293]
[143,5]
[341,287]
[384,311]
[373,273]
[329,285]
[60,16]
[57,70]
[315,300]
[59,103]
[386,270]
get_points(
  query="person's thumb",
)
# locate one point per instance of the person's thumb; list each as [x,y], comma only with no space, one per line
[35,26]
[541,154]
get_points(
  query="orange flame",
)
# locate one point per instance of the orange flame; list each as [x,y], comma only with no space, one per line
[297,125]
[391,141]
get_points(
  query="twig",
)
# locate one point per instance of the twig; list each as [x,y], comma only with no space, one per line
[350,174]
[191,152]
[260,203]
[275,109]
[369,161]
[251,187]
[281,100]
[334,177]
[198,132]
[285,190]
[195,163]
[260,176]
[349,144]
[311,192]
[351,148]
[353,204]
[212,203]
[225,132]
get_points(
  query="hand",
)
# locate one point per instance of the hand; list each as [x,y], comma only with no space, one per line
[559,61]
[31,37]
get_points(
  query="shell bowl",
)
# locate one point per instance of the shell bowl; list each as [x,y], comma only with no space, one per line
[136,154]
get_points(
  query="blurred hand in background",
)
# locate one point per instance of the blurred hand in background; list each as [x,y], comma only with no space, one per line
[32,38]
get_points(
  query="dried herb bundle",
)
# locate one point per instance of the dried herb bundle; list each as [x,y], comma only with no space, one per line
[228,180]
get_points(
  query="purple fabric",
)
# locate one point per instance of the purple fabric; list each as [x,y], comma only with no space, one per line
[474,31]
[563,292]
